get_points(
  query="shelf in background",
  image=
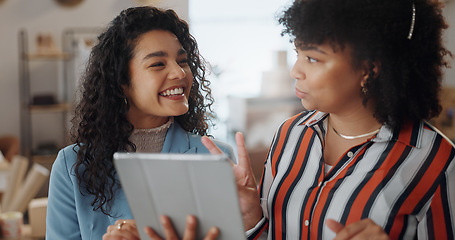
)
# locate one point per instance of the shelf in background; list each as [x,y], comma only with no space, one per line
[45,160]
[48,56]
[60,107]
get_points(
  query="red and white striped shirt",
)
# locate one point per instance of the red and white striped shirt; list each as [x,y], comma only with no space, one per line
[404,180]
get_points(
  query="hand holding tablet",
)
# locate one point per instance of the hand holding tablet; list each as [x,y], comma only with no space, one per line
[178,185]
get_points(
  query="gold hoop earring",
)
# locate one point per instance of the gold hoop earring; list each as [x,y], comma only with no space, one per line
[126,101]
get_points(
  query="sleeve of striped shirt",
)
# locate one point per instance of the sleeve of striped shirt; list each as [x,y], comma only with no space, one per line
[260,230]
[439,222]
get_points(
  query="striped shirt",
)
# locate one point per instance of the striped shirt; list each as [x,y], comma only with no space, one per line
[404,180]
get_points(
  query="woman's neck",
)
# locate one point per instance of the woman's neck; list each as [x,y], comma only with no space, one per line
[148,122]
[346,131]
[151,139]
[362,122]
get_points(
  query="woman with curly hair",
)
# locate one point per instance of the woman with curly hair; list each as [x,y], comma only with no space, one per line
[362,162]
[144,90]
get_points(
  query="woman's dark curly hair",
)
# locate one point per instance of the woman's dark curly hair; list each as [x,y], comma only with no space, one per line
[100,127]
[409,81]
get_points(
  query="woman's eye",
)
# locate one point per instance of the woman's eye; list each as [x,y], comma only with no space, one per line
[183,61]
[311,60]
[158,64]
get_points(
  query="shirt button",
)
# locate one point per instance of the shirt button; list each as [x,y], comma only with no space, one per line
[350,154]
[307,223]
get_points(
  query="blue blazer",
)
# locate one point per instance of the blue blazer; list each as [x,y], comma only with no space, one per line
[70,214]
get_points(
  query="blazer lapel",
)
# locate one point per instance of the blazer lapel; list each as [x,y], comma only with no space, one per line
[177,140]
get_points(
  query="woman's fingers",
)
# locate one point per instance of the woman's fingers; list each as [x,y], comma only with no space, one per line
[122,229]
[246,184]
[152,234]
[334,225]
[189,234]
[244,159]
[169,231]
[210,145]
[245,173]
[362,229]
[213,233]
[190,230]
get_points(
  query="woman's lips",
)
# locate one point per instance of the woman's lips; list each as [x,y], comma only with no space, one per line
[300,94]
[175,91]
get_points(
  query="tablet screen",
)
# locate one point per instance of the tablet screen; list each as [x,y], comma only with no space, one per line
[177,185]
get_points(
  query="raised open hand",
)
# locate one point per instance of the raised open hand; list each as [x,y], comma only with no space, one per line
[246,184]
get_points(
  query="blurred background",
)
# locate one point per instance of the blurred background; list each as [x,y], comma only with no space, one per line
[44,45]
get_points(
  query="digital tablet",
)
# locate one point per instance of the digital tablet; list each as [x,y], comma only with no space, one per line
[177,185]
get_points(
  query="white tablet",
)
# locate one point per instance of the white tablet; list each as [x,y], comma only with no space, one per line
[177,185]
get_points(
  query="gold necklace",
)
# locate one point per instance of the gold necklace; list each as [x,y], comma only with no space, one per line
[355,137]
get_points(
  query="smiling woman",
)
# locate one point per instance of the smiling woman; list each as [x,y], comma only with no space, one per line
[161,80]
[144,90]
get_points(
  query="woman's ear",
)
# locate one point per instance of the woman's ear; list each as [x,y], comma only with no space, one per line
[370,70]
[124,89]
[376,68]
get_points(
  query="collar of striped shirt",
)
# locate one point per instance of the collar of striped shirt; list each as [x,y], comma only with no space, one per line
[409,134]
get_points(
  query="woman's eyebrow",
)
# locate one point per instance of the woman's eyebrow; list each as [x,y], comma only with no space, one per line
[155,54]
[181,52]
[311,48]
[162,54]
[308,47]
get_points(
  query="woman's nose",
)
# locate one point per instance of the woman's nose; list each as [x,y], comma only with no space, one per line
[177,72]
[297,71]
